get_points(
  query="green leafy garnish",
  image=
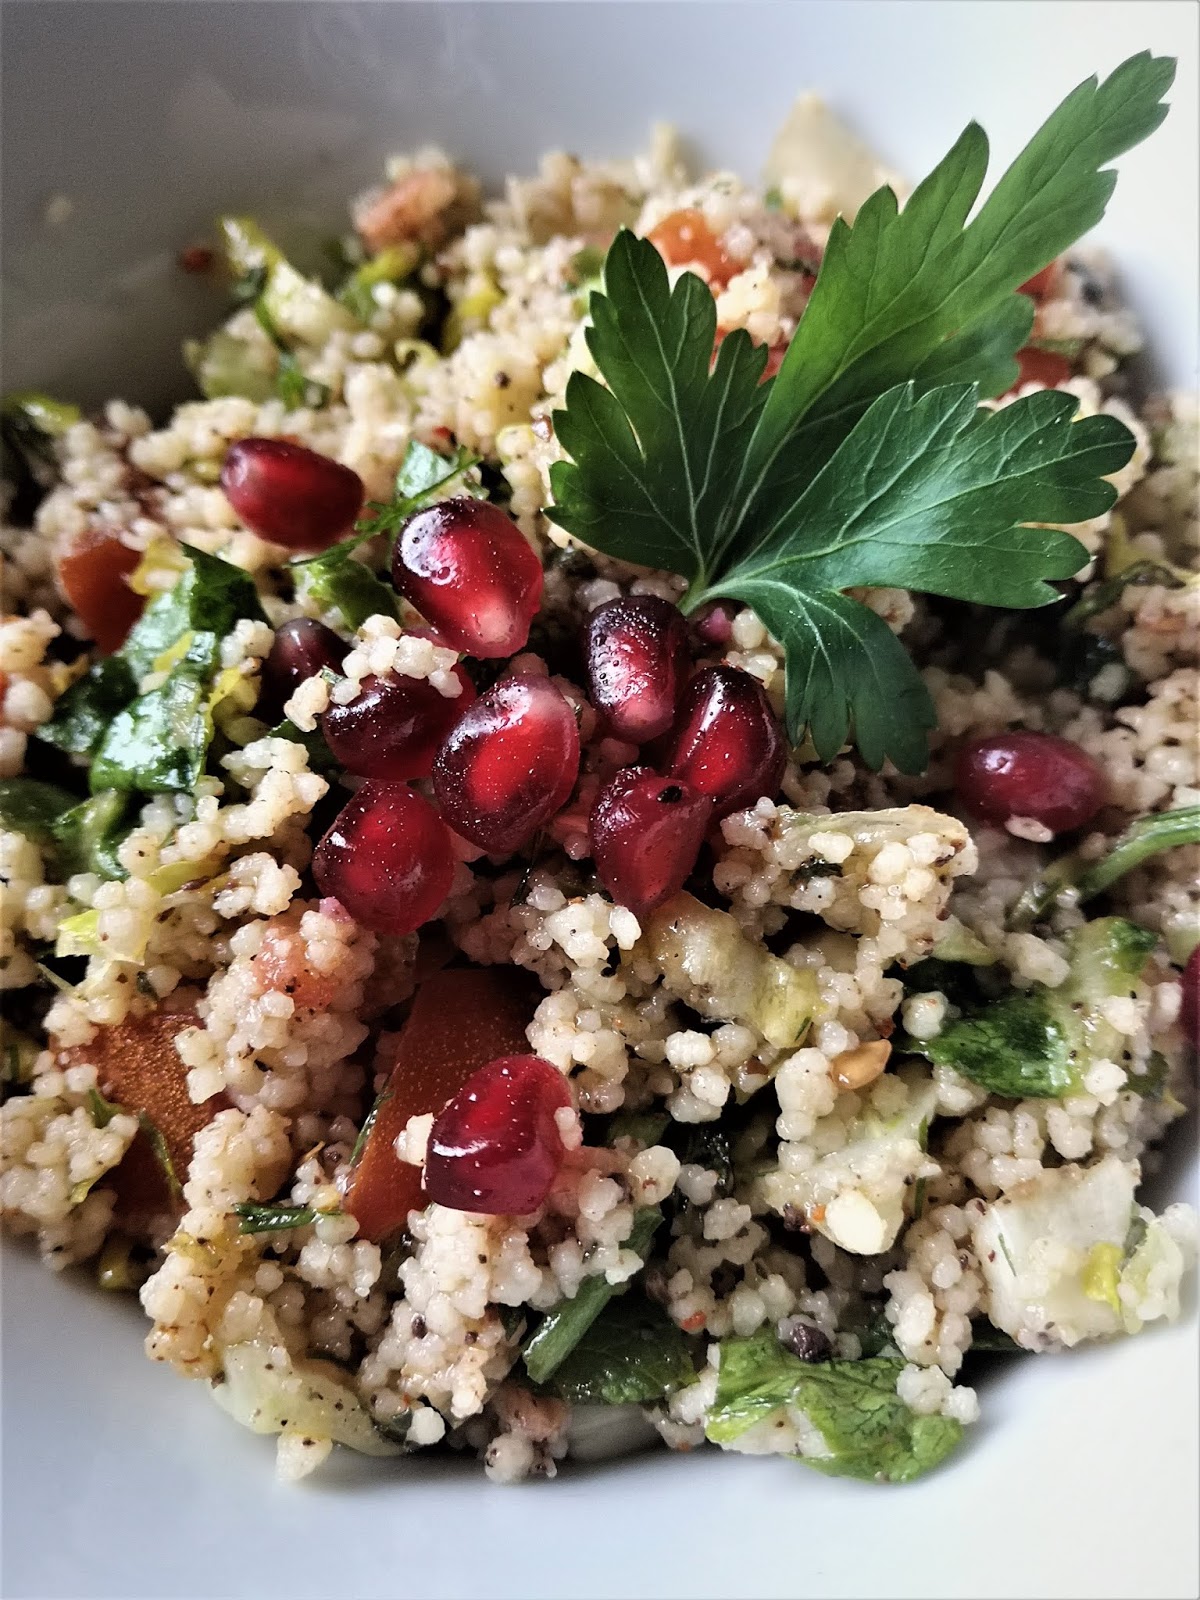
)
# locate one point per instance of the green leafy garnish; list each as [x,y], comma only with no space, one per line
[85,710]
[421,476]
[392,265]
[100,1110]
[320,757]
[88,836]
[30,807]
[864,463]
[257,1218]
[339,582]
[632,1354]
[1080,881]
[868,1432]
[1018,1047]
[561,1329]
[1040,1044]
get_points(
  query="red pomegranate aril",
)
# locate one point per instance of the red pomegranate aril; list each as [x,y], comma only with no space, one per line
[1026,774]
[714,625]
[637,664]
[301,648]
[387,859]
[508,764]
[496,1148]
[394,725]
[471,573]
[289,494]
[646,833]
[727,741]
[1189,1009]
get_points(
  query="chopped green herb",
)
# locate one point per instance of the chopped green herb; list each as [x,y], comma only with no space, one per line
[364,1133]
[162,1153]
[295,388]
[632,1354]
[391,265]
[101,1111]
[33,808]
[257,1218]
[18,1053]
[89,835]
[561,1329]
[336,581]
[1018,1047]
[1100,597]
[852,468]
[423,473]
[82,714]
[643,1127]
[1083,881]
[868,1432]
[160,741]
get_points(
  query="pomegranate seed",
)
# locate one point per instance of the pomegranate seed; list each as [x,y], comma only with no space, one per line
[1047,367]
[291,495]
[727,741]
[301,649]
[714,625]
[496,1148]
[387,859]
[1189,1010]
[646,833]
[1037,775]
[394,725]
[470,572]
[637,663]
[508,764]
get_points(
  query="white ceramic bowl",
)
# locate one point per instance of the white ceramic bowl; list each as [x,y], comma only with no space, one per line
[119,1480]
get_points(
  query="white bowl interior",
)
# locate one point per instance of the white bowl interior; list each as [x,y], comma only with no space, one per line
[118,1478]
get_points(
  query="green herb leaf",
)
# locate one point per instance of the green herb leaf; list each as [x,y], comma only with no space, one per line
[336,581]
[82,714]
[392,265]
[33,808]
[868,1431]
[162,1153]
[420,480]
[295,388]
[632,1354]
[927,493]
[1148,836]
[158,744]
[102,1111]
[561,1329]
[257,1218]
[845,471]
[923,294]
[88,836]
[1019,1047]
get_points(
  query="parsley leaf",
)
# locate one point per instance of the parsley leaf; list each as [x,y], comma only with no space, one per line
[421,475]
[866,1430]
[632,1354]
[923,294]
[864,463]
[926,493]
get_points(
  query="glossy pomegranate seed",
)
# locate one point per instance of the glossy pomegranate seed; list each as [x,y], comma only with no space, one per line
[1189,1010]
[637,664]
[714,625]
[387,859]
[92,572]
[646,833]
[685,239]
[394,725]
[496,1148]
[470,572]
[508,764]
[301,648]
[1043,284]
[1023,774]
[727,741]
[291,495]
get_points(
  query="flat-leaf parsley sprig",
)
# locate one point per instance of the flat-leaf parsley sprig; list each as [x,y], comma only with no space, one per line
[866,462]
